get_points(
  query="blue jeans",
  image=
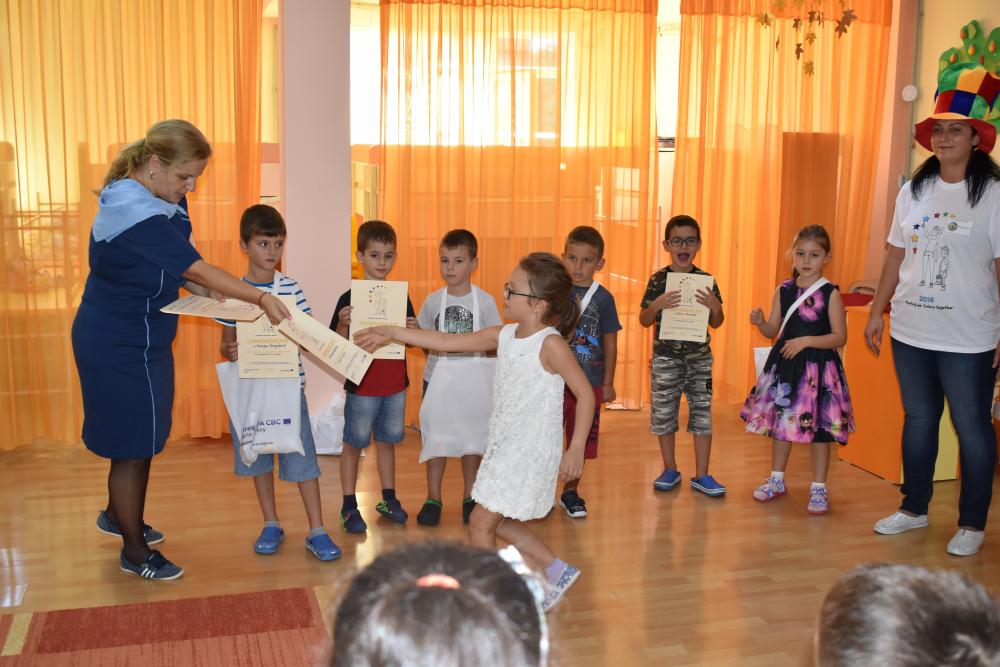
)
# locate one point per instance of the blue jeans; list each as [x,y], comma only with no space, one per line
[926,377]
[381,416]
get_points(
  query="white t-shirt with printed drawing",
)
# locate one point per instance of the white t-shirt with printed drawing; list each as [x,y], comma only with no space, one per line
[947,298]
[458,318]
[286,287]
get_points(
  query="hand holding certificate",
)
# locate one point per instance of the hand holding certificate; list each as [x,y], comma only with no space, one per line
[203,306]
[332,349]
[264,351]
[689,320]
[379,303]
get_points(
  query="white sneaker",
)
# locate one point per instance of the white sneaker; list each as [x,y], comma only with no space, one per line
[898,523]
[557,590]
[966,542]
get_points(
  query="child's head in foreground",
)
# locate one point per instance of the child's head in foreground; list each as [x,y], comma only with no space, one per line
[439,605]
[902,616]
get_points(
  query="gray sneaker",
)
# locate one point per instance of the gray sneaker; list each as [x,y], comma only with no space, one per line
[898,522]
[154,567]
[556,592]
[109,527]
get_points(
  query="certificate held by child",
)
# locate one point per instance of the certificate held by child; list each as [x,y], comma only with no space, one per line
[265,352]
[379,303]
[689,320]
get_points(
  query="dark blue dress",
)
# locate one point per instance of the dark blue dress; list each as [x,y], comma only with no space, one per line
[121,340]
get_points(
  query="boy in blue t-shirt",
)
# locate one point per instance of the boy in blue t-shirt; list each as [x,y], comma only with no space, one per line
[595,343]
[262,238]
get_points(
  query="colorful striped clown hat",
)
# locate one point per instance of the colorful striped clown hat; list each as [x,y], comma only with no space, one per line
[966,91]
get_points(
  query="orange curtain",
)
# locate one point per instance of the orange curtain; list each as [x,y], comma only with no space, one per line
[79,78]
[768,142]
[518,121]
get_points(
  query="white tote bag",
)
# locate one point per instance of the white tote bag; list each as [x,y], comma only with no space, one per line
[266,412]
[455,413]
[760,354]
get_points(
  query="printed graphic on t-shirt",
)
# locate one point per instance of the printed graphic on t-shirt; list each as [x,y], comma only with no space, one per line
[457,319]
[929,242]
[586,342]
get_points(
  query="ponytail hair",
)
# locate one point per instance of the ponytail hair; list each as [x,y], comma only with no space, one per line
[815,233]
[550,281]
[172,141]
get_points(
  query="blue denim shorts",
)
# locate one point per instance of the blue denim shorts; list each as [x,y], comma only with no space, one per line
[381,416]
[291,467]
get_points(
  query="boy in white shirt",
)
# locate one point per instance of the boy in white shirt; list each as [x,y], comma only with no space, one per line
[460,379]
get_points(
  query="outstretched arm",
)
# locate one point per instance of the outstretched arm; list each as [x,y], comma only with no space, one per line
[216,279]
[483,340]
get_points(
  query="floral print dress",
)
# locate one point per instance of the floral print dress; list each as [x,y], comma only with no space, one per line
[803,399]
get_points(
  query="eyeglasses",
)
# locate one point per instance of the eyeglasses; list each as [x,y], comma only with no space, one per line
[687,243]
[507,291]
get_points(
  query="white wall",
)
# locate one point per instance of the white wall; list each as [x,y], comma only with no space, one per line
[316,159]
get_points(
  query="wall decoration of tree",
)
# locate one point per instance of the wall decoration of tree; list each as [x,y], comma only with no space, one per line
[977,48]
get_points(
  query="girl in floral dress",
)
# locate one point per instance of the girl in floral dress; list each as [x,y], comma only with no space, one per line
[801,395]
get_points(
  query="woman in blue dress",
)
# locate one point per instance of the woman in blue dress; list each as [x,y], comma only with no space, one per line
[140,254]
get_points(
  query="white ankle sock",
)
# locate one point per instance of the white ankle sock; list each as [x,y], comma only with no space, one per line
[778,475]
[819,485]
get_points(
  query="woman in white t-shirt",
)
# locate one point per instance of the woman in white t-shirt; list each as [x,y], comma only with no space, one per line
[941,273]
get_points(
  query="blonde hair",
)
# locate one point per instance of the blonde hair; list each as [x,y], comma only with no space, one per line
[173,141]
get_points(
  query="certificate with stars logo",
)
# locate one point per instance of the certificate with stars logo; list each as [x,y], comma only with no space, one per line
[376,303]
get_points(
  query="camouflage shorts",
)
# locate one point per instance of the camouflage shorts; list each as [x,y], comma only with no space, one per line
[671,377]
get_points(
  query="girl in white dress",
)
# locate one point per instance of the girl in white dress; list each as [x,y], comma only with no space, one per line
[524,459]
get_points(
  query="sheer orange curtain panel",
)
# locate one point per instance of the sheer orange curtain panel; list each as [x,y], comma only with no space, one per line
[519,121]
[777,128]
[78,79]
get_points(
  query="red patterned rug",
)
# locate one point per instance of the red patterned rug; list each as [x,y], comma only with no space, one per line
[283,627]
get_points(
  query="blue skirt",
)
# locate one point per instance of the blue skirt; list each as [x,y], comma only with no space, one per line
[126,368]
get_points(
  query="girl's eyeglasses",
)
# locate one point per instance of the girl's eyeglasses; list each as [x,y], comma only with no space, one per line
[507,291]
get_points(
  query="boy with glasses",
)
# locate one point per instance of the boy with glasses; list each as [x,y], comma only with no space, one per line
[681,366]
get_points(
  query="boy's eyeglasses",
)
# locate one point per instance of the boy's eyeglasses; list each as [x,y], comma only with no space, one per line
[687,243]
[507,291]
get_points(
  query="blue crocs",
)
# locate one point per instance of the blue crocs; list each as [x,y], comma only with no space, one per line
[322,547]
[667,480]
[269,540]
[707,485]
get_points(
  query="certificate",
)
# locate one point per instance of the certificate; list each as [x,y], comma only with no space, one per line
[331,348]
[203,306]
[689,320]
[377,303]
[264,352]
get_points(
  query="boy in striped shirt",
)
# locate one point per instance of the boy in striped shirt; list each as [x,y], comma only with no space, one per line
[262,238]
